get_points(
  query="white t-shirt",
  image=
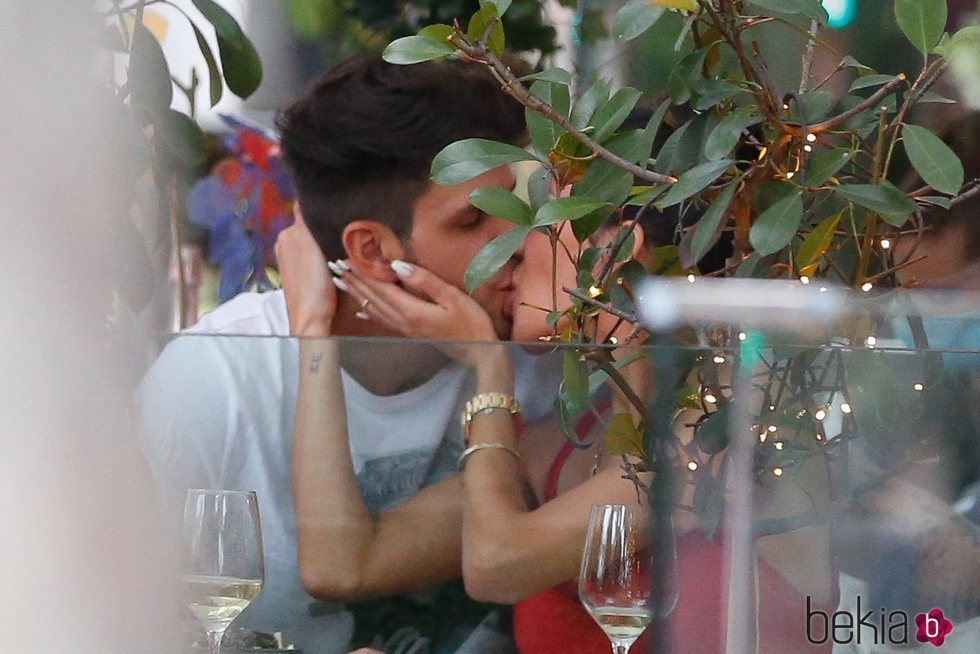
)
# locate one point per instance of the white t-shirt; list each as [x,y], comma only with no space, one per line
[216,411]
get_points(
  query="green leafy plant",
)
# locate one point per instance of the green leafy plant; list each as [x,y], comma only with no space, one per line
[803,183]
[166,143]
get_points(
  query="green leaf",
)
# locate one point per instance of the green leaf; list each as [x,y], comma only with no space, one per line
[678,82]
[543,132]
[622,436]
[539,187]
[463,160]
[816,244]
[851,62]
[812,9]
[493,256]
[938,165]
[416,49]
[775,228]
[149,75]
[182,138]
[610,116]
[571,208]
[495,201]
[694,181]
[650,131]
[869,81]
[930,97]
[884,199]
[825,165]
[812,106]
[606,182]
[706,230]
[726,135]
[936,200]
[216,86]
[587,103]
[711,434]
[575,381]
[554,75]
[481,21]
[707,93]
[502,5]
[665,261]
[635,18]
[964,40]
[922,21]
[239,59]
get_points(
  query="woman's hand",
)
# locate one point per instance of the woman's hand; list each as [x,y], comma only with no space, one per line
[424,306]
[311,299]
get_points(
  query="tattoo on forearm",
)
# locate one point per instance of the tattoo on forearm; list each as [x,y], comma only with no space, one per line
[315,363]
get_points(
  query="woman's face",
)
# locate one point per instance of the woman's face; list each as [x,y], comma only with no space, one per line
[536,293]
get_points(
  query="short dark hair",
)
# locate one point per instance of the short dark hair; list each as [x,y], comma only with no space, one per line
[360,142]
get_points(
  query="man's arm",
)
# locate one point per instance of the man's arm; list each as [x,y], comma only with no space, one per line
[345,552]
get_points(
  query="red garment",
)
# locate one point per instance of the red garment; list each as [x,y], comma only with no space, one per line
[555,622]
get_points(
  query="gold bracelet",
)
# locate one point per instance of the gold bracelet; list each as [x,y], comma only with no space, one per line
[461,462]
[487,403]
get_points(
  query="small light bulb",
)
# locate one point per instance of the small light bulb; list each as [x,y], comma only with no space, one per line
[595,291]
[823,289]
[691,278]
[772,407]
[772,428]
[808,148]
[845,407]
[790,175]
[719,359]
[812,138]
[918,386]
[819,437]
[885,244]
[778,472]
[742,336]
[786,107]
[871,341]
[779,445]
[804,280]
[692,466]
[867,286]
[614,340]
[820,414]
[762,437]
[710,399]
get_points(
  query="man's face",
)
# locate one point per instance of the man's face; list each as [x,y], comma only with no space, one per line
[447,232]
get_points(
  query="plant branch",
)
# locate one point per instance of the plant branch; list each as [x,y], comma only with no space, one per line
[513,87]
[811,45]
[605,306]
[972,189]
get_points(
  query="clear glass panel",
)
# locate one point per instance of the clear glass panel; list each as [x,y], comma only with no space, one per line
[857,475]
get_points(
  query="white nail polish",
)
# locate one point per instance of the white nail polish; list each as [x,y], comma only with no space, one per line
[343,265]
[402,269]
[334,268]
[339,283]
[362,315]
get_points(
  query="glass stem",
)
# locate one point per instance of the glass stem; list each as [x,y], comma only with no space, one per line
[214,641]
[621,646]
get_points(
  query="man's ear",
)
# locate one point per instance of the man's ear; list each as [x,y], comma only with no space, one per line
[371,247]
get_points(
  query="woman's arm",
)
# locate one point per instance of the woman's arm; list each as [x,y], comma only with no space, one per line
[344,551]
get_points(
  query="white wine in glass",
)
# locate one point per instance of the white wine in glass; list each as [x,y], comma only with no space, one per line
[616,583]
[222,559]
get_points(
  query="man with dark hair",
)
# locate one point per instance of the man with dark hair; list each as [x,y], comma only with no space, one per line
[218,412]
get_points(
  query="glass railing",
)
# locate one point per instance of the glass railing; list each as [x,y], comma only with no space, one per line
[806,489]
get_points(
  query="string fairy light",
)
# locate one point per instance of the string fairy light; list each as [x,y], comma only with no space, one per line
[692,465]
[885,244]
[845,407]
[918,386]
[778,472]
[820,414]
[719,359]
[867,286]
[710,399]
[804,280]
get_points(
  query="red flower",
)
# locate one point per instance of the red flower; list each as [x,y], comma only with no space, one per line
[933,627]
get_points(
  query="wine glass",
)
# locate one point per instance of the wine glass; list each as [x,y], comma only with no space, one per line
[616,580]
[223,566]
